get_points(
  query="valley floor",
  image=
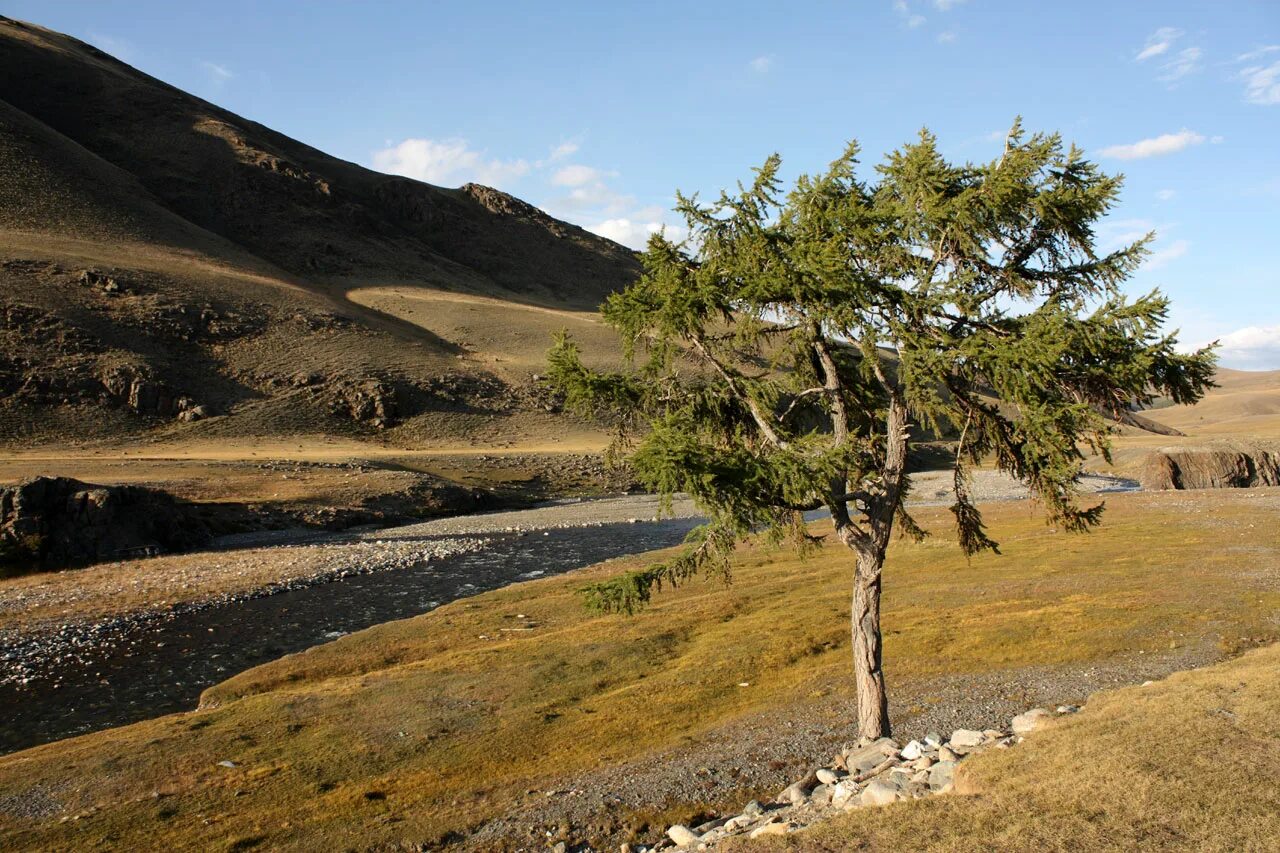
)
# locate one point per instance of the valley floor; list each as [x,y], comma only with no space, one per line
[446,729]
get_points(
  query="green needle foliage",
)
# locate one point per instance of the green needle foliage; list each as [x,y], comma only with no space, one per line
[787,353]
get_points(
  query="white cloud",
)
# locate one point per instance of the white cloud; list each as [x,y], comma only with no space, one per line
[1262,83]
[1251,348]
[946,38]
[576,176]
[762,64]
[447,162]
[219,73]
[946,5]
[1117,233]
[1166,143]
[563,150]
[1165,195]
[1162,257]
[1258,54]
[1158,42]
[912,20]
[1181,64]
[634,233]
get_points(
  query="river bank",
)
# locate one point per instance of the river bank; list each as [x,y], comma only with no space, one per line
[117,642]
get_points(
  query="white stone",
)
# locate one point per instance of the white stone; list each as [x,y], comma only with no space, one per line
[880,793]
[777,828]
[682,835]
[912,751]
[1067,709]
[742,821]
[827,776]
[965,738]
[1030,721]
[795,794]
[843,793]
[933,739]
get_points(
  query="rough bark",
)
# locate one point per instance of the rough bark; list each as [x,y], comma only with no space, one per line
[868,668]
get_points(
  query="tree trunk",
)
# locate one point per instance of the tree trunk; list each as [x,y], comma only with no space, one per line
[868,670]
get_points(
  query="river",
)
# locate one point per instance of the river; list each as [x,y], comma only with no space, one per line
[162,666]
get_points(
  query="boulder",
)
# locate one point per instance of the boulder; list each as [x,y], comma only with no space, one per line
[941,776]
[844,794]
[828,777]
[795,794]
[862,759]
[54,522]
[822,795]
[913,750]
[1030,721]
[880,792]
[966,739]
[775,828]
[682,836]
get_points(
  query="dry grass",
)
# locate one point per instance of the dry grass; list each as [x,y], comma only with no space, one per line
[415,729]
[1188,763]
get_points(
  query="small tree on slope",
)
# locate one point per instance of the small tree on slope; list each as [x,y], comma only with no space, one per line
[787,361]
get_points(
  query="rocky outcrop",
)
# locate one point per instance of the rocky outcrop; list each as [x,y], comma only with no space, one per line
[54,522]
[1210,468]
[369,401]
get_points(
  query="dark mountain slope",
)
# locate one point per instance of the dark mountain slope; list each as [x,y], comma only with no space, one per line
[304,211]
[168,267]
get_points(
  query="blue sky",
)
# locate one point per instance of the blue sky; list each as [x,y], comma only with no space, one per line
[598,111]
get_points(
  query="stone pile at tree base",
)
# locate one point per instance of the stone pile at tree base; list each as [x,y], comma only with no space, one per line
[860,776]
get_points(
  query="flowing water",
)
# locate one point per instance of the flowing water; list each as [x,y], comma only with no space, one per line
[162,666]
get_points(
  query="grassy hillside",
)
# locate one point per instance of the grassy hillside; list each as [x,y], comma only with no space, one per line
[1187,763]
[171,270]
[432,728]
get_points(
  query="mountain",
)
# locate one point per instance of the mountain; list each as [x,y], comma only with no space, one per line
[168,265]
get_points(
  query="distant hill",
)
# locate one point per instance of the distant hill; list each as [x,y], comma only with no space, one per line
[164,261]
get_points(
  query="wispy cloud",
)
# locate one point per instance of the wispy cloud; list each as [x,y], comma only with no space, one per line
[946,38]
[576,176]
[563,150]
[447,161]
[946,5]
[1158,42]
[1175,65]
[1165,255]
[1261,81]
[1167,143]
[1165,195]
[911,19]
[762,64]
[217,72]
[1184,62]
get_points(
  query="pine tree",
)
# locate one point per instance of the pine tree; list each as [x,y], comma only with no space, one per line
[787,354]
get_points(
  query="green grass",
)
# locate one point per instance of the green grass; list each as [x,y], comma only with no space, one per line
[415,729]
